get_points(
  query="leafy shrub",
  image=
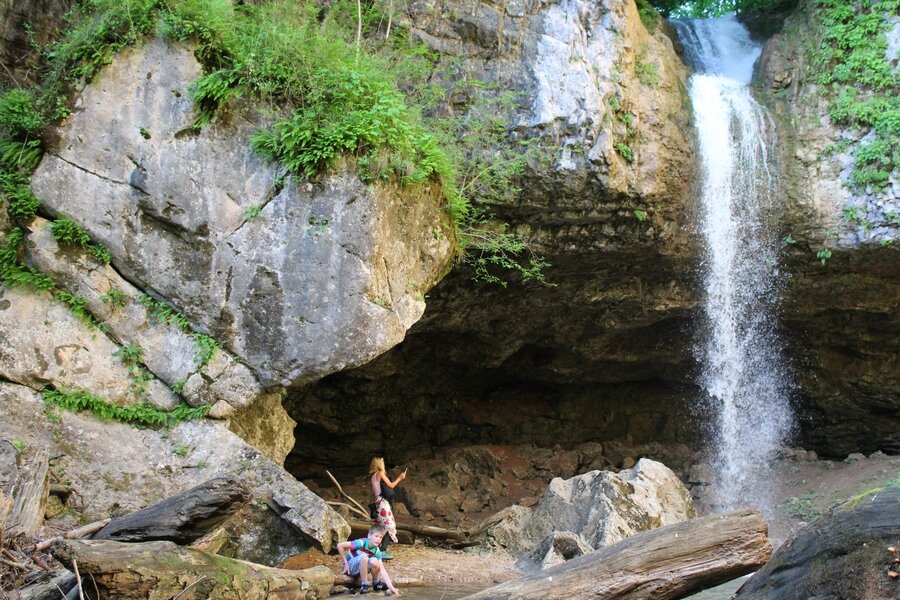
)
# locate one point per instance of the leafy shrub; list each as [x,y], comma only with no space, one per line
[143,415]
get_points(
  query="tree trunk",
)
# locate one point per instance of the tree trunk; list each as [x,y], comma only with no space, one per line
[182,518]
[163,570]
[29,495]
[666,563]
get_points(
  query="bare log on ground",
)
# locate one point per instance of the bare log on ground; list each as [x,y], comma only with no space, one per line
[124,571]
[423,530]
[181,518]
[666,563]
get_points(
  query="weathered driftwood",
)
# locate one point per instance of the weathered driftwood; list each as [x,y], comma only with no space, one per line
[74,534]
[125,571]
[423,530]
[181,518]
[29,494]
[665,563]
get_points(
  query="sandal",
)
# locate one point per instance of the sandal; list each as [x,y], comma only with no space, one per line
[379,586]
[364,589]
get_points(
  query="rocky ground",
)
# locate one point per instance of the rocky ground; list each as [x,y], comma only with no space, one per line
[802,488]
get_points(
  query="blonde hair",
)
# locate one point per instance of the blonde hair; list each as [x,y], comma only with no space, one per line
[376,465]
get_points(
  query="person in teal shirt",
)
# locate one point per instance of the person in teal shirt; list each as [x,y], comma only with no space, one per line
[363,557]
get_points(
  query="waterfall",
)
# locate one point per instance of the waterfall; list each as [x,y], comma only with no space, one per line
[743,372]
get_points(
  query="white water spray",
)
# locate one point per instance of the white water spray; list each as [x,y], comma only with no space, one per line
[742,365]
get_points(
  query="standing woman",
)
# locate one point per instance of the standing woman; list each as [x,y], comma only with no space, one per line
[383,490]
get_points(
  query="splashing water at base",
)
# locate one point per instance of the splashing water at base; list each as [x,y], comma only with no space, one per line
[742,365]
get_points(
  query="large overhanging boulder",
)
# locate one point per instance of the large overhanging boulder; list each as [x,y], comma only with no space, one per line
[298,278]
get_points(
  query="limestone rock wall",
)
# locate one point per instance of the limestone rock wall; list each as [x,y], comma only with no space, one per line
[604,351]
[327,275]
[840,316]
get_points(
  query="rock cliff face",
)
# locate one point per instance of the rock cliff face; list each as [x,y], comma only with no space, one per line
[299,279]
[839,316]
[604,351]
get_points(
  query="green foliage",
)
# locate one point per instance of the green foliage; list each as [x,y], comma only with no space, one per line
[789,240]
[823,255]
[145,133]
[850,62]
[69,232]
[181,449]
[641,215]
[625,151]
[19,445]
[495,248]
[205,347]
[650,17]
[164,313]
[646,71]
[115,298]
[14,274]
[802,507]
[142,415]
[131,355]
[713,8]
[253,211]
[20,151]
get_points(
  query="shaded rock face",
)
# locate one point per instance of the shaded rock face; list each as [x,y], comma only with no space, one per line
[839,320]
[299,279]
[24,28]
[603,352]
[845,554]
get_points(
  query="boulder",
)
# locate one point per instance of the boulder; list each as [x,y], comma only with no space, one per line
[114,469]
[298,278]
[600,507]
[846,553]
[556,548]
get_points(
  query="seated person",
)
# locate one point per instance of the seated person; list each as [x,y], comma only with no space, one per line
[362,557]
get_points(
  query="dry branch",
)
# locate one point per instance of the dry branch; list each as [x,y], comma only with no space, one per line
[74,534]
[345,494]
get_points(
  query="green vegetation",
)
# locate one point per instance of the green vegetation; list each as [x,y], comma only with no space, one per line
[20,151]
[646,71]
[132,356]
[116,298]
[204,345]
[15,274]
[851,64]
[625,151]
[802,507]
[711,8]
[19,445]
[333,70]
[823,255]
[69,232]
[143,415]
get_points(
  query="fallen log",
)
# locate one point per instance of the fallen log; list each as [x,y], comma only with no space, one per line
[126,571]
[181,518]
[29,495]
[423,530]
[666,563]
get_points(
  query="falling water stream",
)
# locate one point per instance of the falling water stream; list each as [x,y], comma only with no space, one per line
[743,372]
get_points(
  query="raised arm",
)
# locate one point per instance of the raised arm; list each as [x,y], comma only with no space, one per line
[391,484]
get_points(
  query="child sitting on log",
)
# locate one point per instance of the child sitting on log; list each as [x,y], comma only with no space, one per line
[362,557]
